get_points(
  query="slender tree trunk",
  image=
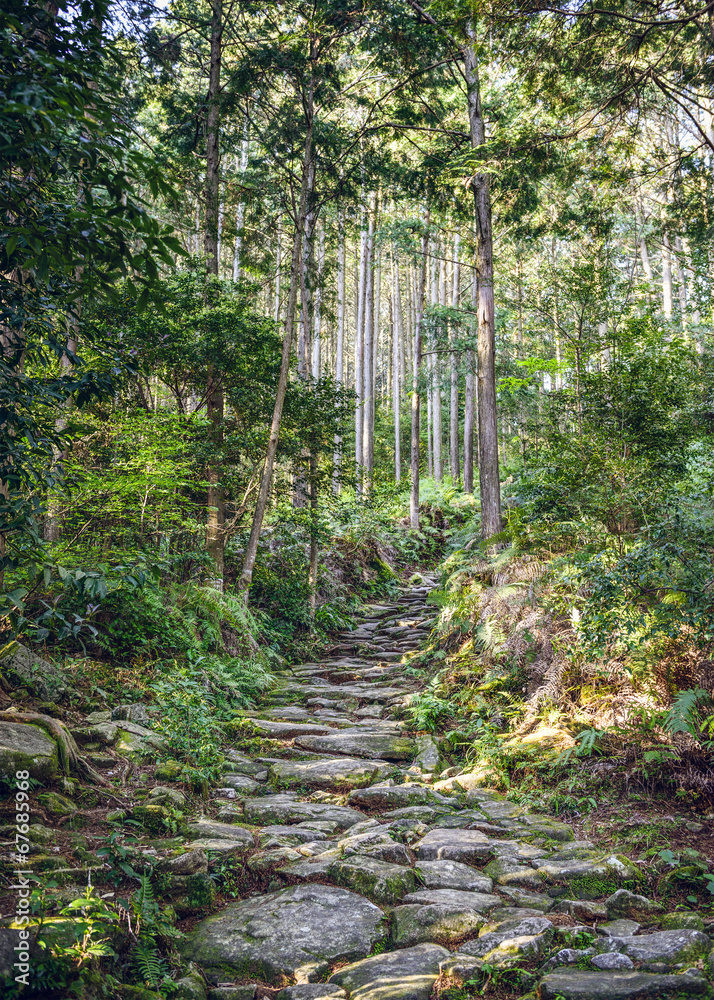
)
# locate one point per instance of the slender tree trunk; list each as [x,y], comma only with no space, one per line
[278,259]
[359,347]
[295,276]
[369,350]
[491,521]
[470,397]
[317,309]
[667,302]
[416,373]
[396,375]
[215,537]
[242,165]
[340,345]
[454,408]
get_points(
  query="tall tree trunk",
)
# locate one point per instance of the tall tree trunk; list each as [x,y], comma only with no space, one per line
[340,345]
[215,538]
[416,373]
[454,408]
[242,166]
[317,309]
[667,303]
[295,276]
[368,358]
[396,374]
[470,398]
[278,259]
[491,521]
[359,345]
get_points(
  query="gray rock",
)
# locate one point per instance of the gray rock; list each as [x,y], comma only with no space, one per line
[41,678]
[526,940]
[163,796]
[135,712]
[356,743]
[588,879]
[413,924]
[525,898]
[190,987]
[208,829]
[376,843]
[379,880]
[241,784]
[408,974]
[288,730]
[287,836]
[337,772]
[312,991]
[509,871]
[671,947]
[679,921]
[243,992]
[465,846]
[237,763]
[581,909]
[447,874]
[188,863]
[398,796]
[612,960]
[579,985]
[479,901]
[286,809]
[293,932]
[27,748]
[127,738]
[427,754]
[619,928]
[628,904]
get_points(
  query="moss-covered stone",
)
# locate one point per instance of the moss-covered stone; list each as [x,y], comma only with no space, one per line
[27,748]
[56,804]
[682,921]
[378,880]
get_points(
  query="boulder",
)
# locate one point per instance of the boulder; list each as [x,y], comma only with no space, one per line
[41,678]
[26,748]
[588,879]
[312,991]
[135,712]
[294,932]
[408,974]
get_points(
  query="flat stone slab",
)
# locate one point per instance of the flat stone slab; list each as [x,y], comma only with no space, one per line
[209,829]
[479,901]
[293,932]
[285,808]
[439,923]
[466,846]
[579,985]
[408,974]
[663,946]
[447,874]
[241,784]
[355,743]
[330,772]
[396,797]
[288,730]
[381,881]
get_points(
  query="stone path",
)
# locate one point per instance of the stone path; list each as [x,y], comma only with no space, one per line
[384,878]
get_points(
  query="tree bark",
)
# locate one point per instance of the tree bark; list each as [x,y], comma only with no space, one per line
[215,537]
[396,377]
[242,165]
[369,351]
[340,345]
[491,520]
[295,273]
[454,408]
[470,399]
[419,305]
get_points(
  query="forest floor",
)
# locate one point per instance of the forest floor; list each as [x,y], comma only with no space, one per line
[339,855]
